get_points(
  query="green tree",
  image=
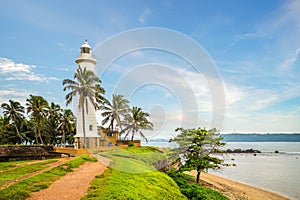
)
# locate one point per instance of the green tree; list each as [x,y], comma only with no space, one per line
[27,127]
[54,113]
[87,87]
[5,136]
[136,121]
[66,125]
[119,107]
[37,109]
[14,111]
[195,147]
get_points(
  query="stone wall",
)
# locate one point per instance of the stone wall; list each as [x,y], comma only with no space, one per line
[10,153]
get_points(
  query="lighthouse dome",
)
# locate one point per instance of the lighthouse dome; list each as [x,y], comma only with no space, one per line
[85,45]
[86,54]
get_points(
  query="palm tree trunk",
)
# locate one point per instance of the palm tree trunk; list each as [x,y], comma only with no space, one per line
[132,136]
[64,138]
[83,126]
[40,136]
[35,134]
[20,137]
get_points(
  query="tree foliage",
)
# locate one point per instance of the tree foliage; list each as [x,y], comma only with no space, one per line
[195,149]
[115,111]
[135,122]
[41,126]
[14,112]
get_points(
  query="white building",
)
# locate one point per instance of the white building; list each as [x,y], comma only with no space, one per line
[86,60]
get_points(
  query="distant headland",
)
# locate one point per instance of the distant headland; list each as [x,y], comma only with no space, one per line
[268,137]
[251,137]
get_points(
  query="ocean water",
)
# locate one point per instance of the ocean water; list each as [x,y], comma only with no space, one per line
[277,172]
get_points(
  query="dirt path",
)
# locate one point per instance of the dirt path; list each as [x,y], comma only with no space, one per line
[73,185]
[50,166]
[235,190]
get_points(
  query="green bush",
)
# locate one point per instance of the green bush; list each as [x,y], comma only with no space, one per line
[191,190]
[131,144]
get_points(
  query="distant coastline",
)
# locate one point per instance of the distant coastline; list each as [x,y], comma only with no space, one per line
[278,137]
[251,137]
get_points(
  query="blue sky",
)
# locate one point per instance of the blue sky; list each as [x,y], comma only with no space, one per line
[254,44]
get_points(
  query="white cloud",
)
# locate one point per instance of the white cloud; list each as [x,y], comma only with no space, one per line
[143,17]
[19,71]
[290,60]
[14,94]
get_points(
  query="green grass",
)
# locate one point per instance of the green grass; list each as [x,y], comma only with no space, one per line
[22,189]
[8,165]
[134,159]
[115,184]
[131,176]
[142,155]
[13,170]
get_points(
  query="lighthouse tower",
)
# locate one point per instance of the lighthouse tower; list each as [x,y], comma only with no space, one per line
[86,60]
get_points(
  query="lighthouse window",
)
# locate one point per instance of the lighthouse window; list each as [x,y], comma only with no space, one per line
[85,50]
[91,127]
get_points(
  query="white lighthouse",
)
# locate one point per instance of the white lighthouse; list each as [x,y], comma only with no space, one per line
[86,60]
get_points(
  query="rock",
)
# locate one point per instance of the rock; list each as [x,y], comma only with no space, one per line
[242,151]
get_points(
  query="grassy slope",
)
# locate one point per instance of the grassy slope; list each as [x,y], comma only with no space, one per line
[22,189]
[131,176]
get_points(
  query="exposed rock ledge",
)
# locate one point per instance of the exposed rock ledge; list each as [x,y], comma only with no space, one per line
[242,151]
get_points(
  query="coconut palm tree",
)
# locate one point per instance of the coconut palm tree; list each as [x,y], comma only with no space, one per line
[5,126]
[37,108]
[136,121]
[66,125]
[87,87]
[14,111]
[119,107]
[54,113]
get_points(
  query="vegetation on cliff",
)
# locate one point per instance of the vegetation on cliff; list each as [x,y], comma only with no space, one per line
[131,176]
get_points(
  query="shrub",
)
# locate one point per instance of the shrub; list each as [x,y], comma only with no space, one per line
[131,144]
[191,190]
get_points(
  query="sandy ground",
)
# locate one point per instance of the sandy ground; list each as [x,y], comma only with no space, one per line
[71,186]
[235,190]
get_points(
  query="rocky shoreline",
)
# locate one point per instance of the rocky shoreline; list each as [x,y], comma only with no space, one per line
[242,151]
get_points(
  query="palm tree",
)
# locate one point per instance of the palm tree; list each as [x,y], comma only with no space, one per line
[67,121]
[87,87]
[137,121]
[54,114]
[115,110]
[37,108]
[5,137]
[14,111]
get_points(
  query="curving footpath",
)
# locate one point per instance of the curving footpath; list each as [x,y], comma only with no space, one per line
[72,186]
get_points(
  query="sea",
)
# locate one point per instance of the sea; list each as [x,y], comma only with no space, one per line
[276,172]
